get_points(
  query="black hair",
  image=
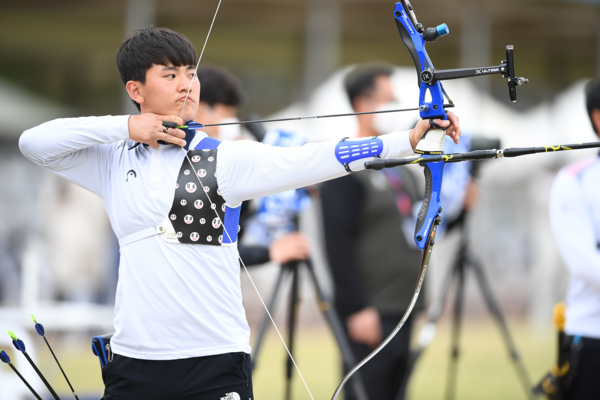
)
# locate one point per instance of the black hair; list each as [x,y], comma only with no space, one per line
[592,100]
[361,81]
[148,46]
[219,86]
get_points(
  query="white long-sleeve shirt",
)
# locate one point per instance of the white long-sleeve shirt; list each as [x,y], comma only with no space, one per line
[176,301]
[575,219]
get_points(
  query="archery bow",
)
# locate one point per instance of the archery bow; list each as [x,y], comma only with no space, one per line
[431,146]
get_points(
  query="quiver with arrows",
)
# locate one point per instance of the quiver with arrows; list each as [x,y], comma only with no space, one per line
[558,380]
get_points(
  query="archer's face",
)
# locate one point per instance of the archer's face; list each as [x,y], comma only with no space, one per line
[165,91]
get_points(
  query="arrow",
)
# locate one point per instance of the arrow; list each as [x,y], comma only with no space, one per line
[6,359]
[196,125]
[379,164]
[40,330]
[19,345]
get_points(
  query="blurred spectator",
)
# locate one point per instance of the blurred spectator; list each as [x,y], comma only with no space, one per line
[220,97]
[362,213]
[575,219]
[9,271]
[83,262]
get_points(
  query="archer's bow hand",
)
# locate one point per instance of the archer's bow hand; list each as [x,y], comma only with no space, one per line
[451,126]
[148,128]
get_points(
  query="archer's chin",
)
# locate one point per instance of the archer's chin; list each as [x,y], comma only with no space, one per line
[189,112]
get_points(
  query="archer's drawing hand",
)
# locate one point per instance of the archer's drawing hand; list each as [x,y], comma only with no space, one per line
[365,327]
[291,247]
[451,125]
[147,128]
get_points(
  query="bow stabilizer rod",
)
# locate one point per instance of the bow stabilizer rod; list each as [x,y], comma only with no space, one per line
[379,164]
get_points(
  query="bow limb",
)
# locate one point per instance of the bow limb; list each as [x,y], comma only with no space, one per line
[430,149]
[431,106]
[422,271]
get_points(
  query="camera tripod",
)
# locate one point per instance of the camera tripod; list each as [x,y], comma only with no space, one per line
[325,305]
[461,265]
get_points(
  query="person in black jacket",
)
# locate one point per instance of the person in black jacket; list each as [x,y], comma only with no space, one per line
[373,280]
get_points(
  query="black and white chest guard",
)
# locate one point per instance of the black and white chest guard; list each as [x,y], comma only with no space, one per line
[199,214]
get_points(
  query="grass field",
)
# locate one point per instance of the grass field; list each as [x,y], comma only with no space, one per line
[485,369]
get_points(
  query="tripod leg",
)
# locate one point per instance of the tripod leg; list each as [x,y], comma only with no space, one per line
[325,305]
[458,310]
[264,323]
[506,336]
[292,315]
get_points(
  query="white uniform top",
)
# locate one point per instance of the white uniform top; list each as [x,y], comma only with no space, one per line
[176,301]
[575,219]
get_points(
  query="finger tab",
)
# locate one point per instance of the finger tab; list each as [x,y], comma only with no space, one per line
[169,124]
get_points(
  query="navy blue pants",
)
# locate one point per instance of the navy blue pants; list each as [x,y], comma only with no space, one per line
[224,376]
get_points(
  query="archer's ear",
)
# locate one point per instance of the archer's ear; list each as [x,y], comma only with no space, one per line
[360,104]
[596,120]
[133,89]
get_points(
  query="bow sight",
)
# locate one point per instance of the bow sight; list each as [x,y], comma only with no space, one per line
[415,37]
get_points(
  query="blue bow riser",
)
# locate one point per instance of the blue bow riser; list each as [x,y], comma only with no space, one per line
[432,206]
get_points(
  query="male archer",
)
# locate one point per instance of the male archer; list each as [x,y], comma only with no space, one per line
[181,330]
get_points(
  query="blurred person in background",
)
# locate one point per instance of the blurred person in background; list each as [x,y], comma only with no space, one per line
[181,328]
[374,280]
[221,96]
[575,220]
[82,251]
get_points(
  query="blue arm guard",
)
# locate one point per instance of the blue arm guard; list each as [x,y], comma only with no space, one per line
[349,150]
